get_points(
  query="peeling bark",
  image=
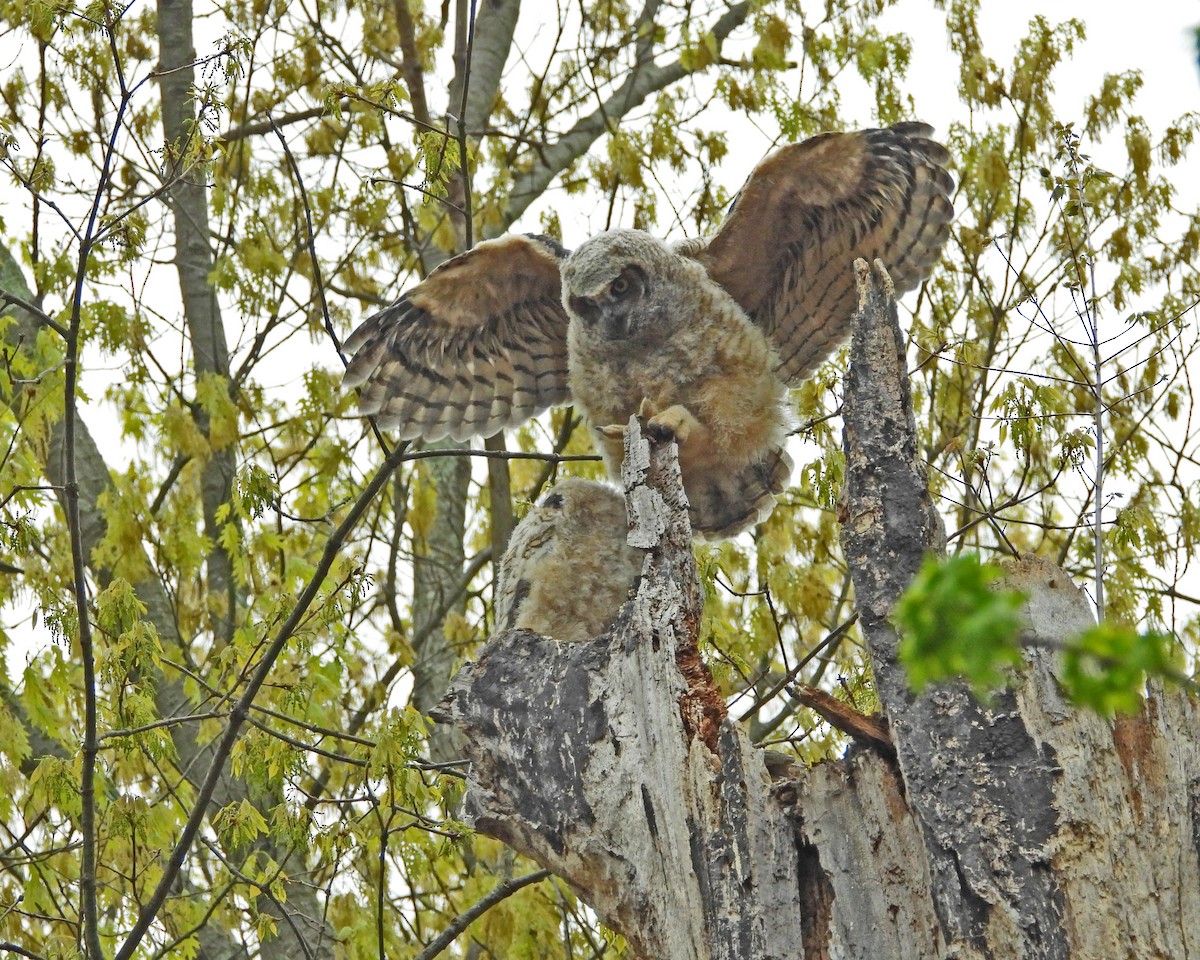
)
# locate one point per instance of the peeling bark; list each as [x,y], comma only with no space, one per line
[1022,829]
[974,776]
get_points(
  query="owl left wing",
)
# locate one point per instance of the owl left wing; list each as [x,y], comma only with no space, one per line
[786,250]
[478,345]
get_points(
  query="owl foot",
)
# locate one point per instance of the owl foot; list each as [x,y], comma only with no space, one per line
[676,421]
[613,431]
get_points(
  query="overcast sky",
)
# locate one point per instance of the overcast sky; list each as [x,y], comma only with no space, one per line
[1153,36]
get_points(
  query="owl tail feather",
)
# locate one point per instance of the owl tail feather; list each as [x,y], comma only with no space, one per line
[724,505]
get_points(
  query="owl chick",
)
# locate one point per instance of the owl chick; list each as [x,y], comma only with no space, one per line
[568,568]
[704,337]
[652,332]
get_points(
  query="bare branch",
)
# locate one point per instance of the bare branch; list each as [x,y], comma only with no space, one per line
[413,75]
[645,78]
[460,923]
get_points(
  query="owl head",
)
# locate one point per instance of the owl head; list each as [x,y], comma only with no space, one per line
[568,567]
[615,286]
[584,506]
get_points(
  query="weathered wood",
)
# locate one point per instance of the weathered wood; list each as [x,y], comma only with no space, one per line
[1125,795]
[1000,790]
[614,764]
[978,782]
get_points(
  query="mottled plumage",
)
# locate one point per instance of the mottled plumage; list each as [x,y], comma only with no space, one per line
[678,348]
[568,567]
[478,345]
[703,337]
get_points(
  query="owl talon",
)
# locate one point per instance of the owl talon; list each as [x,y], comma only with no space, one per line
[660,432]
[676,421]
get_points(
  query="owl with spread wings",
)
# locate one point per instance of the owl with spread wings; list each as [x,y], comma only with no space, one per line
[702,337]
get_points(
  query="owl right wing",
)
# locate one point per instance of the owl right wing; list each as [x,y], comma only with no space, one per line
[478,345]
[785,252]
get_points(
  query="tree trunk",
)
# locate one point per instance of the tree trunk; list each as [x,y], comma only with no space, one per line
[1023,829]
[94,478]
[438,561]
[194,263]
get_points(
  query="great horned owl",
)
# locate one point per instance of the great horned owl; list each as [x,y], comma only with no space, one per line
[568,567]
[703,337]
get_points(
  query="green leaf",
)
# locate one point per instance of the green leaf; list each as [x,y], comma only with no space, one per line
[953,623]
[240,822]
[1105,668]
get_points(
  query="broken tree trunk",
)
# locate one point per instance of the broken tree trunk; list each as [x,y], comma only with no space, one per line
[1022,829]
[614,764]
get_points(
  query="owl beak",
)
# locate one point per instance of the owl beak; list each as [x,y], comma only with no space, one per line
[617,326]
[587,309]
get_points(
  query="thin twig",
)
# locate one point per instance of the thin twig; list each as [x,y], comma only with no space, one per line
[89,916]
[460,923]
[311,240]
[20,951]
[834,636]
[174,862]
[464,166]
[157,724]
[34,311]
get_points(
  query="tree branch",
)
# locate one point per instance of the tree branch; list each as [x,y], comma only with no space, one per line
[194,263]
[42,317]
[94,479]
[414,77]
[241,708]
[645,78]
[490,46]
[500,892]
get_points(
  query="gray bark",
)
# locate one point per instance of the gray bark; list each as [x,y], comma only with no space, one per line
[439,557]
[687,855]
[988,826]
[210,356]
[1023,829]
[194,262]
[438,561]
[495,24]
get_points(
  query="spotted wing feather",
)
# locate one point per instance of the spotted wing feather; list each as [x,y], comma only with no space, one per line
[479,345]
[786,250]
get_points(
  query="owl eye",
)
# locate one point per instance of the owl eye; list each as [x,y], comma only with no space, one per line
[620,286]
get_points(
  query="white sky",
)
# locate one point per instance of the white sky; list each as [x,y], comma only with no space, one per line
[1154,36]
